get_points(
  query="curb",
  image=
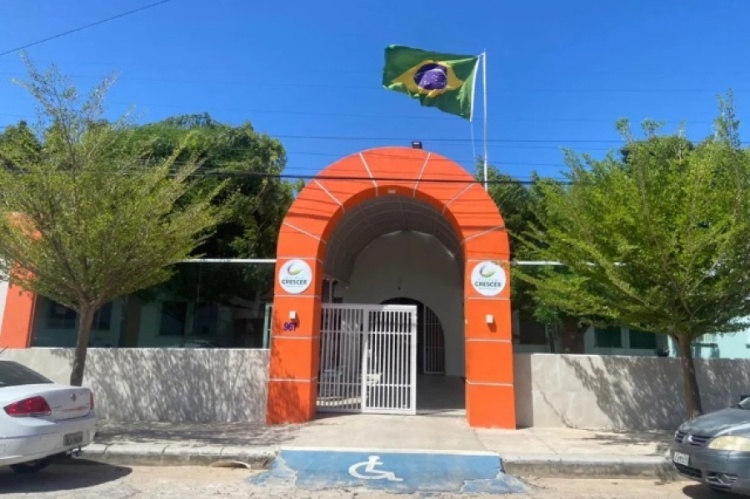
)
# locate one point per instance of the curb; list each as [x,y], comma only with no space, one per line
[521,465]
[589,466]
[150,454]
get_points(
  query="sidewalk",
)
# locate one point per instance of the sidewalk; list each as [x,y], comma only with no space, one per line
[540,452]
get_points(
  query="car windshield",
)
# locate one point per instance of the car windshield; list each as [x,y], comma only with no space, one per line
[745,404]
[14,374]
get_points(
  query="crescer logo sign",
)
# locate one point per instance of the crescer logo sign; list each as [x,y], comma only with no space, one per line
[488,278]
[295,276]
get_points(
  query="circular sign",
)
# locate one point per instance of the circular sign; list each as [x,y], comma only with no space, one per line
[295,276]
[488,278]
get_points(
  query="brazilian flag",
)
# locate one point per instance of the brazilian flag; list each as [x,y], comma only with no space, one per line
[445,81]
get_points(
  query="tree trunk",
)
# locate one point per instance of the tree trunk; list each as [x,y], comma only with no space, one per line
[550,332]
[690,380]
[86,318]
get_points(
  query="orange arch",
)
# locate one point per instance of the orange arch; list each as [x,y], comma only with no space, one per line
[304,235]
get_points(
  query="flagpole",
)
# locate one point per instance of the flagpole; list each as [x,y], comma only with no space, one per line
[484,95]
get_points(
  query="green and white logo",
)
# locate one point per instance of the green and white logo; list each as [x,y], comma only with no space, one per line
[488,278]
[295,276]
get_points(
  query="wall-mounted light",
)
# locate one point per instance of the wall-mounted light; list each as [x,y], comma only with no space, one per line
[292,315]
[489,319]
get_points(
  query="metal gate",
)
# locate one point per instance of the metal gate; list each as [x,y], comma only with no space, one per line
[368,359]
[433,343]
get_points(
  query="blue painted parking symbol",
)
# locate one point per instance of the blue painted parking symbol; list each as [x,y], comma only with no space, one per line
[404,472]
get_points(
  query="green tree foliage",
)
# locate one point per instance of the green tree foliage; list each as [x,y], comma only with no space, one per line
[255,198]
[654,237]
[516,202]
[248,162]
[82,221]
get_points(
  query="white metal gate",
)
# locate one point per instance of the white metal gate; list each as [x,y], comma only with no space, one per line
[433,343]
[368,359]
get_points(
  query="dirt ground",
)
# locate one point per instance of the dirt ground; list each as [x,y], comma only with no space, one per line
[115,482]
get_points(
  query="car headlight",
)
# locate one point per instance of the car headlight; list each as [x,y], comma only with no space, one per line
[736,444]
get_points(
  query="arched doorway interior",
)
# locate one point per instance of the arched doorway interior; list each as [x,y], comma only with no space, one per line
[430,337]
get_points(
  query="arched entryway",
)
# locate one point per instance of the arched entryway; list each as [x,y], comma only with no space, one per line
[377,192]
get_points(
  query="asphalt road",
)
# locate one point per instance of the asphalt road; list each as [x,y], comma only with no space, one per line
[121,482]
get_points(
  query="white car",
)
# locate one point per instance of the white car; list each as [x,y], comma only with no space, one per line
[40,419]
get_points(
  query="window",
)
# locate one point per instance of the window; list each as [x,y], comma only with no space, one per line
[642,340]
[532,332]
[610,337]
[706,338]
[103,318]
[173,318]
[59,316]
[206,318]
[14,374]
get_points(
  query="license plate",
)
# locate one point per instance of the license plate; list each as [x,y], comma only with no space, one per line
[73,439]
[681,458]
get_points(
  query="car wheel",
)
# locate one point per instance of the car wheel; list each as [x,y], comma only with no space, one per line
[30,467]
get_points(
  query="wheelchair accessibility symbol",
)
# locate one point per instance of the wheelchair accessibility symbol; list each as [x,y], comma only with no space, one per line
[370,473]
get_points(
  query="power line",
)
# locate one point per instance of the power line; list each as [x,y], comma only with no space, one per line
[408,140]
[409,117]
[84,27]
[378,88]
[467,178]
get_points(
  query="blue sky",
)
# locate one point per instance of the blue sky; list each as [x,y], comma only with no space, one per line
[560,73]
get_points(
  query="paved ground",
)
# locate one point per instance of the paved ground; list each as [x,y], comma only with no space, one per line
[428,432]
[96,481]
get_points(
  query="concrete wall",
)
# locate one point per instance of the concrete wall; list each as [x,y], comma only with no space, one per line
[172,385]
[416,266]
[213,385]
[614,392]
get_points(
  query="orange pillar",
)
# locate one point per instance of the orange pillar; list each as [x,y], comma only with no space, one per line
[295,341]
[17,319]
[490,395]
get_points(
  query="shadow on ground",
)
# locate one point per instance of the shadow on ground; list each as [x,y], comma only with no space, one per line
[63,475]
[660,439]
[199,434]
[697,491]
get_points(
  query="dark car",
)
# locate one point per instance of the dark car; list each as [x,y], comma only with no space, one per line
[715,449]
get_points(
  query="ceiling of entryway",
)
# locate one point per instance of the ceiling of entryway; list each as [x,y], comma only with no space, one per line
[384,215]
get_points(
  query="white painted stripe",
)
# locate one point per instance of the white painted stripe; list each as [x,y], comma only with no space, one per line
[487,340]
[296,296]
[484,383]
[391,451]
[282,336]
[488,298]
[294,380]
[457,196]
[305,232]
[483,233]
[419,177]
[293,257]
[331,195]
[367,167]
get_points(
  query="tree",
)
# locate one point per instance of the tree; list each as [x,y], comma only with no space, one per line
[654,237]
[82,221]
[516,204]
[250,165]
[255,198]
